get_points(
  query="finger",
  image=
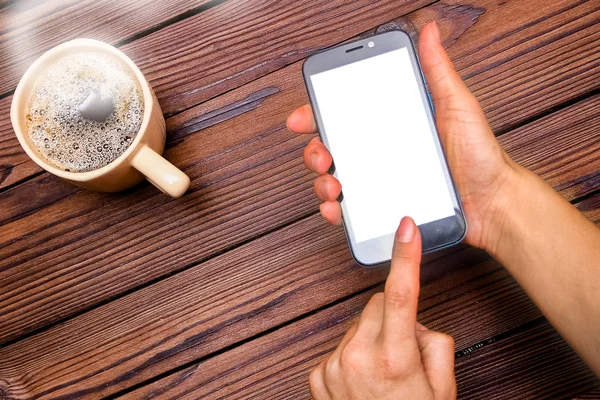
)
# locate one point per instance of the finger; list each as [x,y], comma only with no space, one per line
[402,291]
[421,327]
[302,120]
[369,324]
[331,365]
[317,157]
[332,212]
[316,381]
[442,79]
[349,335]
[437,357]
[327,188]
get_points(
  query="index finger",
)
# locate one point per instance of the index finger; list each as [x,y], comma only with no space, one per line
[302,120]
[402,288]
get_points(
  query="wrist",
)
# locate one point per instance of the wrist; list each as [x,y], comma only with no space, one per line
[498,219]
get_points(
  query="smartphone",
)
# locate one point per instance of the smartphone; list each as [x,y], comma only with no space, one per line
[375,117]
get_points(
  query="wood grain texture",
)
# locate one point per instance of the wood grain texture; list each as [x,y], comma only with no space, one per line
[29,28]
[533,363]
[591,208]
[272,366]
[239,294]
[47,189]
[15,165]
[538,57]
[570,162]
[229,163]
[19,173]
[528,361]
[536,363]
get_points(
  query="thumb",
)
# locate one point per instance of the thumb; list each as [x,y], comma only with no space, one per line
[437,357]
[445,84]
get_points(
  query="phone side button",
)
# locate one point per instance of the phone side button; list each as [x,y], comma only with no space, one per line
[430,101]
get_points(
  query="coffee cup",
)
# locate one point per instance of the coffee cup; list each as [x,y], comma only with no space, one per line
[141,158]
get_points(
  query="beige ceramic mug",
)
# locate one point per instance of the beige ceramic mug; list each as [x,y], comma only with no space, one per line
[141,159]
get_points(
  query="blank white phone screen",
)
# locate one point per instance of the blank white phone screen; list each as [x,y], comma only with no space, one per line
[382,144]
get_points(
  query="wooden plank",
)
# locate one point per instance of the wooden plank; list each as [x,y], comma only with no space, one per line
[15,165]
[567,161]
[591,208]
[29,28]
[45,189]
[269,367]
[245,290]
[237,295]
[13,176]
[539,56]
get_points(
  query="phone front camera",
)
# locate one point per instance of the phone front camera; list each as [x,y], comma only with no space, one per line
[371,44]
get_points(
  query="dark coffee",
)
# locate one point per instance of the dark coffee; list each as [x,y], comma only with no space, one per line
[84,111]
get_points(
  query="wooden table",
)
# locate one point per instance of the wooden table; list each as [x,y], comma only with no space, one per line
[239,288]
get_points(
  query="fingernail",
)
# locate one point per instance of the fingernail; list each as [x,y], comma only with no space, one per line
[406,230]
[436,32]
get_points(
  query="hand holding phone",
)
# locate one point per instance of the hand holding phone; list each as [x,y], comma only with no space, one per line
[478,163]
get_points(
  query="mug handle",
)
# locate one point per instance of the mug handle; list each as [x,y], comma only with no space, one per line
[161,173]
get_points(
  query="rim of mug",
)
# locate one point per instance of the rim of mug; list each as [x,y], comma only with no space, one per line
[16,113]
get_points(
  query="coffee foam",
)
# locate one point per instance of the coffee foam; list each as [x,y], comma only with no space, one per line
[56,124]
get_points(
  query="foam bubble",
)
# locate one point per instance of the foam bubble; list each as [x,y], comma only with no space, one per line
[61,134]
